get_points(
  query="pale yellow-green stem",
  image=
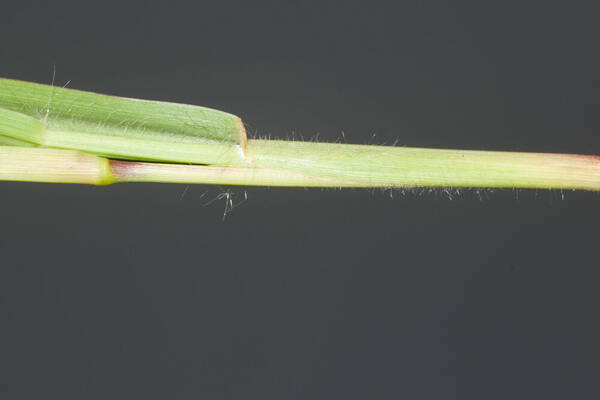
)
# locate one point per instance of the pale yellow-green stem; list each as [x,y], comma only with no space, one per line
[318,165]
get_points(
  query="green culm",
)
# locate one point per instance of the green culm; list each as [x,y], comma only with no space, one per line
[53,134]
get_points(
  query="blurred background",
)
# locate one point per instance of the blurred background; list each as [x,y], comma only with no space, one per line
[145,291]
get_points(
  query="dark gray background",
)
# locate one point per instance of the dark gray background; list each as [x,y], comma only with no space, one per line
[142,291]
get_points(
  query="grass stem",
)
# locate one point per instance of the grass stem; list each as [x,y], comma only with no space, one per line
[50,134]
[318,165]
